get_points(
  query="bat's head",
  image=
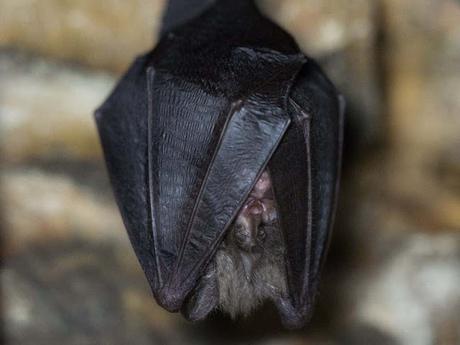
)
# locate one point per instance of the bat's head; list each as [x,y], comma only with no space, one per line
[249,266]
[257,211]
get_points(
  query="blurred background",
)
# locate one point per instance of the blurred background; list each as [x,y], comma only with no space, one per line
[69,275]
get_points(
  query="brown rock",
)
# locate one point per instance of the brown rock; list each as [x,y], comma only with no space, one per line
[415,295]
[73,292]
[342,35]
[100,34]
[47,109]
[423,54]
[40,207]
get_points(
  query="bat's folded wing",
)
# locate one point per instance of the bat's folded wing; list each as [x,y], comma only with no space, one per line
[205,155]
[122,125]
[305,171]
[183,160]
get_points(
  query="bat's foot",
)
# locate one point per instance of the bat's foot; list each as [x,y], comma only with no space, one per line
[292,317]
[203,299]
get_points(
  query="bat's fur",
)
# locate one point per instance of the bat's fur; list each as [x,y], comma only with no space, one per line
[239,293]
[249,266]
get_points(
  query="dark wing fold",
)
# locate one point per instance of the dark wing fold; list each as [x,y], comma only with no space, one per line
[305,171]
[122,125]
[205,156]
[184,129]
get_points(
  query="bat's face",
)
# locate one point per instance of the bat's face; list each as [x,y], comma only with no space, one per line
[223,147]
[250,265]
[258,211]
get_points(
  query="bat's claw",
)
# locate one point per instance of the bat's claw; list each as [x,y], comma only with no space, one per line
[292,317]
[203,299]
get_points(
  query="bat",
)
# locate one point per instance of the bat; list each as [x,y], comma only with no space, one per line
[223,145]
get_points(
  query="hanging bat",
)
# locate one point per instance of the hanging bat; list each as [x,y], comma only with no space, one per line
[223,146]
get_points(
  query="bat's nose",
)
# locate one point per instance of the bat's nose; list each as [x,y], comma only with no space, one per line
[255,208]
[244,239]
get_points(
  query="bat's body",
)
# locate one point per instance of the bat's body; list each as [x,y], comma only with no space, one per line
[249,266]
[223,145]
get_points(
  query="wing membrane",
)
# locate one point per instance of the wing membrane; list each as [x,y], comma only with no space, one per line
[122,125]
[206,154]
[309,155]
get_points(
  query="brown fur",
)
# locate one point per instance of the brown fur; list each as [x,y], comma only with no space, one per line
[239,293]
[249,266]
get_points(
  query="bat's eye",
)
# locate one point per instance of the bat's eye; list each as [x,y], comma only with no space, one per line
[245,237]
[239,230]
[241,233]
[261,234]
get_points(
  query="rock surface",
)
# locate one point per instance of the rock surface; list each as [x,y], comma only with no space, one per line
[100,34]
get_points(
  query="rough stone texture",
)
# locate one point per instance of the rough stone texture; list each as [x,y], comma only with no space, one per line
[415,295]
[342,35]
[43,206]
[69,274]
[70,292]
[46,110]
[98,33]
[423,41]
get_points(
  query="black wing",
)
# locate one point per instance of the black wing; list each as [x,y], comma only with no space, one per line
[305,170]
[182,162]
[205,155]
[122,125]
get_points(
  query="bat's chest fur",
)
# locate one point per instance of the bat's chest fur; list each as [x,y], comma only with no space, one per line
[250,264]
[245,279]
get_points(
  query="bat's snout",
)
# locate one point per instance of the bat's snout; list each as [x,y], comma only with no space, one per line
[258,210]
